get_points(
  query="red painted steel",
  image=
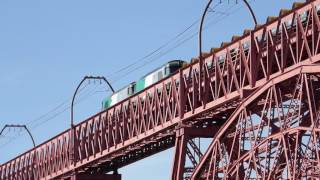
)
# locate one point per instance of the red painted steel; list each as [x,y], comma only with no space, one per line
[187,148]
[274,134]
[251,75]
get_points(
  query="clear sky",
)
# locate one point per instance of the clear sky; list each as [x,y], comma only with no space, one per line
[47,46]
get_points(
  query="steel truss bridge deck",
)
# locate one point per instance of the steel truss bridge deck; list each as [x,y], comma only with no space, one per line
[258,98]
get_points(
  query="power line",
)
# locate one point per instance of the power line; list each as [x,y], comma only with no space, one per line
[122,69]
[53,110]
[84,97]
[160,54]
[81,98]
[116,72]
[160,47]
[148,56]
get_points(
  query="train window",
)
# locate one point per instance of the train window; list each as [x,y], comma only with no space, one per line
[160,75]
[166,71]
[131,89]
[155,77]
[174,68]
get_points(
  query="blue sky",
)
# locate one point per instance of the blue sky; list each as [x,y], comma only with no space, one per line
[47,46]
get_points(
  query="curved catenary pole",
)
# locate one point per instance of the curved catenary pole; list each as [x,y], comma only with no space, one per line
[19,126]
[72,146]
[200,46]
[79,85]
[200,35]
[251,12]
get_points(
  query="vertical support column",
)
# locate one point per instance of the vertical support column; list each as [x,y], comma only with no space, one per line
[184,137]
[179,156]
[269,55]
[253,61]
[181,95]
[284,50]
[72,146]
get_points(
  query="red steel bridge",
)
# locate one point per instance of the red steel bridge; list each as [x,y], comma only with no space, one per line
[258,98]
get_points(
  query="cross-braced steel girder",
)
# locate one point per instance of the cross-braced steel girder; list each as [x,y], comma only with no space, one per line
[187,147]
[264,68]
[274,133]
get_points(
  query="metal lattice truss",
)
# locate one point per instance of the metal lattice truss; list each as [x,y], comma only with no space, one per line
[260,91]
[274,134]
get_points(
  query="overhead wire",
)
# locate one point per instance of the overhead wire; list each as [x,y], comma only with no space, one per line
[156,52]
[179,43]
[65,102]
[160,54]
[160,47]
[61,105]
[79,100]
[120,70]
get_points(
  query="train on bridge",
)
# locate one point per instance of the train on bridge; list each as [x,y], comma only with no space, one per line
[171,67]
[149,79]
[258,99]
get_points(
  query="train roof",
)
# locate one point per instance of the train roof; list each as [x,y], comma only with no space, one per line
[176,60]
[124,87]
[134,82]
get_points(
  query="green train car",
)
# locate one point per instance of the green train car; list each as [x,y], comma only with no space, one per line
[149,79]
